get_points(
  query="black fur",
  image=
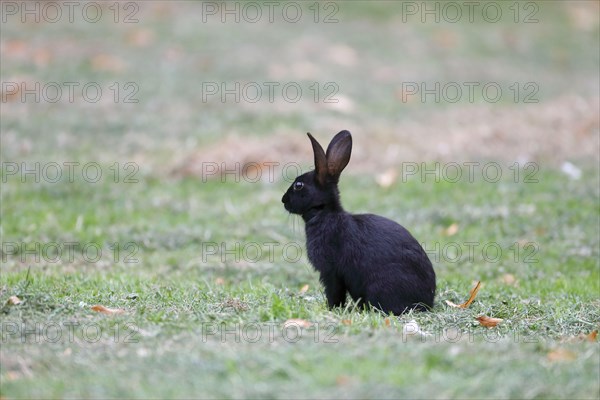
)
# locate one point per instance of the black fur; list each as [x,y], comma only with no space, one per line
[373,258]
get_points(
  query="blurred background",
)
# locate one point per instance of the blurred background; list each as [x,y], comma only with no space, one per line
[187,82]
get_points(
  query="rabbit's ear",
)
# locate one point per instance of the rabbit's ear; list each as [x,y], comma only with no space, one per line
[320,160]
[338,153]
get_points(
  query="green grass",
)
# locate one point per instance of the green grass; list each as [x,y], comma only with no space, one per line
[210,328]
[199,267]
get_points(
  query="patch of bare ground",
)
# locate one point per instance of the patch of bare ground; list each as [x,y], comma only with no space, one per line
[564,129]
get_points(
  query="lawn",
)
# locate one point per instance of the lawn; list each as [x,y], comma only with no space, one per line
[158,196]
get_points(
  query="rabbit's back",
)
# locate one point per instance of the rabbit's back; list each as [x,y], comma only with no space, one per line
[378,260]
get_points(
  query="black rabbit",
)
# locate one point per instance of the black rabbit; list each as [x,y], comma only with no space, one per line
[373,258]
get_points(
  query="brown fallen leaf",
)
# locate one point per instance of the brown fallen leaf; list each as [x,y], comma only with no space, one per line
[219,281]
[13,301]
[488,322]
[106,310]
[346,322]
[387,322]
[561,355]
[582,337]
[472,296]
[302,323]
[304,289]
[451,230]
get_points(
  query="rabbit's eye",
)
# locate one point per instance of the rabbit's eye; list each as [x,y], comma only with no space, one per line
[298,186]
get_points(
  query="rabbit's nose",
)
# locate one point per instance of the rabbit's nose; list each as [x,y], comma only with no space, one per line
[284,199]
